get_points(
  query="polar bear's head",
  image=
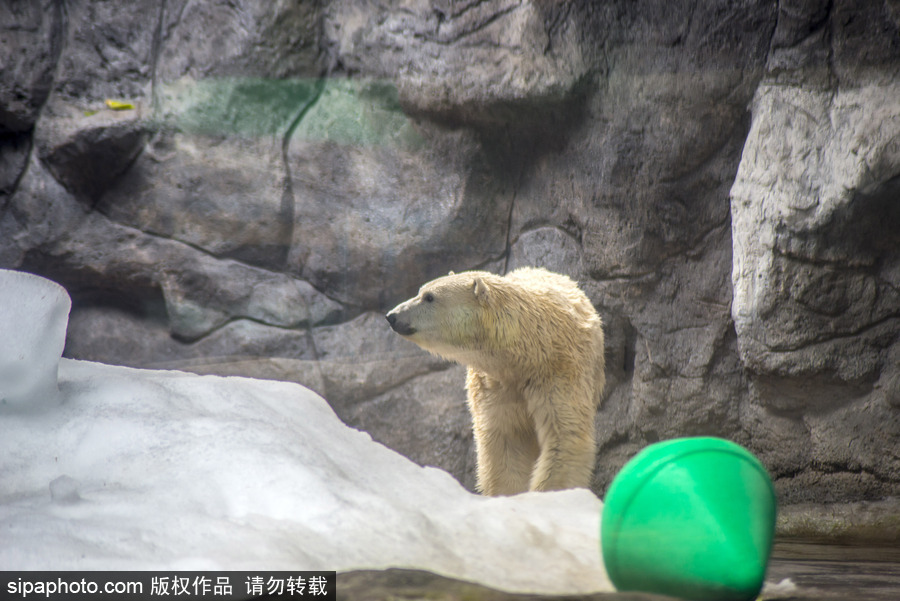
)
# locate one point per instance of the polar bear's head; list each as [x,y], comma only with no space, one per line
[447,316]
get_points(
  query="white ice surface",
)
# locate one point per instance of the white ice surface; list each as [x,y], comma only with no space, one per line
[34,313]
[141,469]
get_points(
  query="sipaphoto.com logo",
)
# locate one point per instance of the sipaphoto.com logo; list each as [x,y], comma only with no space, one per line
[181,585]
[69,587]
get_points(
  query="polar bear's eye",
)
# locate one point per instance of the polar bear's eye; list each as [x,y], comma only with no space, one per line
[428,298]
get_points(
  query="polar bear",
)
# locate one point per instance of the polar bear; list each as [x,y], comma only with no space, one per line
[533,345]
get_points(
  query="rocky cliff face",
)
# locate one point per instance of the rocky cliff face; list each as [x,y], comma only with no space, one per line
[723,178]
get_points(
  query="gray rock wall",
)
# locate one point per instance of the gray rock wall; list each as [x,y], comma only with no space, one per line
[723,178]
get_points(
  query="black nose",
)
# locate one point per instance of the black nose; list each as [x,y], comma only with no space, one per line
[401,327]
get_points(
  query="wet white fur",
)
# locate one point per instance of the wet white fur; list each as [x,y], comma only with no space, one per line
[533,344]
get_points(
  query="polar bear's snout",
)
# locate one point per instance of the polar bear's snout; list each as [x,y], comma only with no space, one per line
[399,325]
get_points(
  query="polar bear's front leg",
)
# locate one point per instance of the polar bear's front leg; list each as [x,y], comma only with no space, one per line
[505,440]
[563,417]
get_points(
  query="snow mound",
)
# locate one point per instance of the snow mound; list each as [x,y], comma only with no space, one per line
[34,313]
[139,470]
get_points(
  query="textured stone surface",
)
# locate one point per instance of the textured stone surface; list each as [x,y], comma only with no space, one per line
[29,47]
[722,178]
[87,152]
[380,199]
[221,38]
[815,270]
[30,41]
[833,575]
[384,585]
[529,55]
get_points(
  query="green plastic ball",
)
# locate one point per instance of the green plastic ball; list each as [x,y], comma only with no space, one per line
[691,518]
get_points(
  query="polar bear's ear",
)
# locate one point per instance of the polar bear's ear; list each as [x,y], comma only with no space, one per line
[452,273]
[479,289]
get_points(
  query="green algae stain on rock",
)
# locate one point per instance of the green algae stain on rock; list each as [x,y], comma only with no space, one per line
[364,113]
[347,112]
[244,107]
